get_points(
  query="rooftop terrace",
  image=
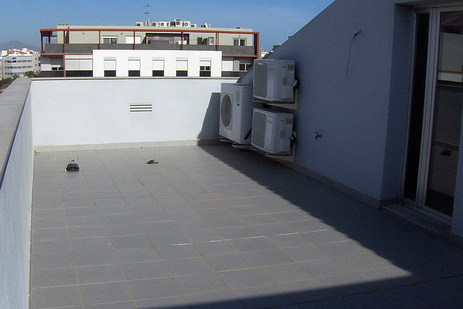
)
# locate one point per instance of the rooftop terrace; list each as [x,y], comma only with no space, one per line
[208,226]
[217,227]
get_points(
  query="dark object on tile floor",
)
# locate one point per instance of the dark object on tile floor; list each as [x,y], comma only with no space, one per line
[72,167]
[152,162]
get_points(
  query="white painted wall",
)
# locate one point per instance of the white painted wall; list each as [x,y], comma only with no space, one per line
[92,111]
[146,58]
[15,207]
[354,91]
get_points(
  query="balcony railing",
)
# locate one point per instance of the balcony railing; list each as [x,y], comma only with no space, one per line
[47,47]
[88,48]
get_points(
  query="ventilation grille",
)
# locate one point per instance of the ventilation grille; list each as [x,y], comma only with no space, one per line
[259,128]
[260,79]
[141,108]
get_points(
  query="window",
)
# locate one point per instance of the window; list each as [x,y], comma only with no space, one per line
[245,66]
[129,40]
[205,68]
[182,68]
[239,42]
[158,67]
[76,64]
[206,41]
[109,73]
[134,67]
[110,40]
[79,73]
[109,67]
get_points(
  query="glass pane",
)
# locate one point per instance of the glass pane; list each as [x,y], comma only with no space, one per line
[416,112]
[447,115]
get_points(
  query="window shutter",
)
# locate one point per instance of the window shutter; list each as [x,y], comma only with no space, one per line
[158,65]
[134,64]
[182,65]
[109,64]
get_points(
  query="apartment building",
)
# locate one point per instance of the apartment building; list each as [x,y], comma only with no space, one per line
[18,62]
[70,50]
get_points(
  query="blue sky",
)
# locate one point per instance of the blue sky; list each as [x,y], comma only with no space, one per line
[21,20]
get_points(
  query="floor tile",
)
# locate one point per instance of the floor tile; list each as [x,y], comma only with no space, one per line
[52,261]
[136,255]
[90,244]
[119,305]
[268,257]
[288,240]
[188,266]
[212,300]
[238,232]
[171,238]
[202,283]
[326,267]
[82,211]
[172,302]
[53,277]
[154,288]
[253,244]
[263,297]
[146,270]
[221,247]
[55,297]
[105,273]
[51,246]
[286,273]
[88,231]
[177,251]
[196,236]
[50,234]
[105,293]
[305,253]
[95,257]
[229,262]
[130,241]
[240,279]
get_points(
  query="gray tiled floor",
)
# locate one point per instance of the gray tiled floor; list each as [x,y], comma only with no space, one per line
[216,227]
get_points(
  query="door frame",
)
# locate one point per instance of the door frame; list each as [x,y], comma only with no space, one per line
[432,63]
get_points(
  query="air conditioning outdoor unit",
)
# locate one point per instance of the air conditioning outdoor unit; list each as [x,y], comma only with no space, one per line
[274,80]
[186,23]
[272,131]
[236,112]
[139,23]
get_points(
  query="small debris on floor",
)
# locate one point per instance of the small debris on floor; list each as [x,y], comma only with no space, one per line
[152,162]
[72,167]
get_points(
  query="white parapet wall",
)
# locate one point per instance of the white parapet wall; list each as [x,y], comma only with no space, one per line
[108,113]
[16,170]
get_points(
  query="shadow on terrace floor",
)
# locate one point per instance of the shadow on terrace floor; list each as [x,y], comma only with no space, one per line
[423,271]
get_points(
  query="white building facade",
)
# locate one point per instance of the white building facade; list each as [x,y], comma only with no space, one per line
[18,62]
[150,63]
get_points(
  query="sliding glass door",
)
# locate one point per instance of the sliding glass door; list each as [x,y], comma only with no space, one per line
[436,111]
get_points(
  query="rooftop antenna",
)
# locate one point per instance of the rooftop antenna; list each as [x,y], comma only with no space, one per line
[147,12]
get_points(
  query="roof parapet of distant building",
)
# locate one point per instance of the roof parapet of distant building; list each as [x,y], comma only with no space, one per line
[18,52]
